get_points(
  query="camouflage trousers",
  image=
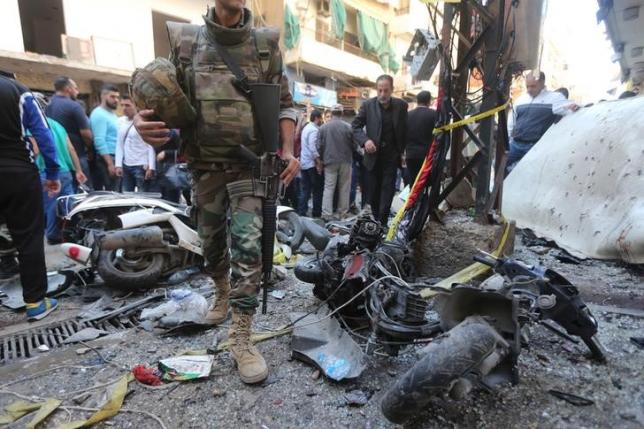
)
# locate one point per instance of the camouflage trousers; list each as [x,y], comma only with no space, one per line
[233,247]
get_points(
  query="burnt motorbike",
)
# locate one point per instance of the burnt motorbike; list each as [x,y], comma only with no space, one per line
[486,327]
[370,282]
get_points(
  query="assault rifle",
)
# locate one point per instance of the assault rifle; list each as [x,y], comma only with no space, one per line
[265,99]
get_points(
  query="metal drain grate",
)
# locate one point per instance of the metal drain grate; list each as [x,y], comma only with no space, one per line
[23,345]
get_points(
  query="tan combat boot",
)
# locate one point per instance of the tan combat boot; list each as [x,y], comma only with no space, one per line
[250,363]
[218,311]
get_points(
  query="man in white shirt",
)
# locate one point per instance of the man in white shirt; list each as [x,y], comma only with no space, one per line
[533,113]
[311,167]
[135,160]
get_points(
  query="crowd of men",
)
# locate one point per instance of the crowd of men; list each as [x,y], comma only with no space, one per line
[383,143]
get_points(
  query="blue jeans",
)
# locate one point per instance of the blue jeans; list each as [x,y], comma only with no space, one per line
[162,185]
[517,151]
[312,183]
[52,229]
[134,176]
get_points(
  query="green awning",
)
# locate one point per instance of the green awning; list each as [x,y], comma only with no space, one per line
[291,28]
[372,36]
[338,18]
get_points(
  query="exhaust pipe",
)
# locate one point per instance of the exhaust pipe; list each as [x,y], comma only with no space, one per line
[146,237]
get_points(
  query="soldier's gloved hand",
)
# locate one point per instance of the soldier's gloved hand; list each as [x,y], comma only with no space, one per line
[155,133]
[291,170]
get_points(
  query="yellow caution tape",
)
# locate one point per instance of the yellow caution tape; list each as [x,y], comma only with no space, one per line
[471,119]
[110,409]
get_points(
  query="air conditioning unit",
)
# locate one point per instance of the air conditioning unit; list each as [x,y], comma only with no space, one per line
[77,49]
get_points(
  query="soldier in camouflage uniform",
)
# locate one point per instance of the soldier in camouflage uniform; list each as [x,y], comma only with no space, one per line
[224,121]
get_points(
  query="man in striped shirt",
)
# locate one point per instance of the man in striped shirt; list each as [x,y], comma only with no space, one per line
[21,201]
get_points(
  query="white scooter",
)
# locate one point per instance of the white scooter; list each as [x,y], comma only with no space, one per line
[135,239]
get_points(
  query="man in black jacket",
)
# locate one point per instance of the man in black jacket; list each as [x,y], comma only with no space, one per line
[381,129]
[420,123]
[21,201]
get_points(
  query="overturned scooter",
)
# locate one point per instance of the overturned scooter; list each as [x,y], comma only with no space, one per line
[484,328]
[134,241]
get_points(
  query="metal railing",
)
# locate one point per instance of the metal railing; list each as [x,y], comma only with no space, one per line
[350,44]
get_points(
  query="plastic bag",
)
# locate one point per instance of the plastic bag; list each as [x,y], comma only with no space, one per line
[184,306]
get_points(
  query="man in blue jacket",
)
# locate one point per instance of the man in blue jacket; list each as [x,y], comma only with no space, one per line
[21,203]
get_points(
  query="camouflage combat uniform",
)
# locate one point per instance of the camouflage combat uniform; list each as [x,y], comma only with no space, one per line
[224,122]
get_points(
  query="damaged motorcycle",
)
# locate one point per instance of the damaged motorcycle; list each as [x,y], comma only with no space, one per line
[483,326]
[133,240]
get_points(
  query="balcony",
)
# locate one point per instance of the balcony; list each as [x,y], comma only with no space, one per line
[350,44]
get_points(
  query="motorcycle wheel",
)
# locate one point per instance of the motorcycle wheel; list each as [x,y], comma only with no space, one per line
[123,272]
[309,270]
[290,230]
[457,354]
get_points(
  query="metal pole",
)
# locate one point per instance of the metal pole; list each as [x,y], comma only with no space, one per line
[465,22]
[490,100]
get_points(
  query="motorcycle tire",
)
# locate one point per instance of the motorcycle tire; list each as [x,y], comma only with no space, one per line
[309,270]
[294,236]
[116,275]
[458,353]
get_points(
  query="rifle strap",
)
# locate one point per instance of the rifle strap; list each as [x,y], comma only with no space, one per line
[241,80]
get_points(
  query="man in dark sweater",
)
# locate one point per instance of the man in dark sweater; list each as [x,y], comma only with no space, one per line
[381,129]
[65,109]
[21,202]
[420,128]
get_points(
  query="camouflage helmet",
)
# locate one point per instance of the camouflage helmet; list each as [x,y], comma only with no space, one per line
[155,87]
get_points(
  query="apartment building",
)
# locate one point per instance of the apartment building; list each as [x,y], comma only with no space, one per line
[97,41]
[92,41]
[335,49]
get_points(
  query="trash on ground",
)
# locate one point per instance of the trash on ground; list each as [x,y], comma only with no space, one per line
[571,399]
[184,306]
[566,257]
[18,409]
[43,348]
[86,334]
[638,341]
[319,340]
[356,398]
[278,294]
[183,275]
[182,368]
[147,375]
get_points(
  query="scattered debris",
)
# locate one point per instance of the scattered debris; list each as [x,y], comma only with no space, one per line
[278,294]
[319,340]
[43,348]
[182,368]
[217,393]
[184,306]
[315,374]
[82,350]
[638,341]
[571,399]
[86,334]
[565,257]
[147,375]
[356,398]
[183,275]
